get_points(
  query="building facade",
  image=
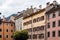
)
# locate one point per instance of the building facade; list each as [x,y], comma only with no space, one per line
[35,24]
[19,18]
[19,22]
[53,22]
[6,30]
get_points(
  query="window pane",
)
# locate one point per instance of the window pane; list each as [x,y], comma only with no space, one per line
[53,15]
[41,36]
[6,30]
[6,36]
[11,30]
[11,36]
[59,33]
[59,23]
[0,36]
[48,16]
[34,20]
[53,25]
[0,30]
[53,34]
[48,25]
[34,36]
[48,34]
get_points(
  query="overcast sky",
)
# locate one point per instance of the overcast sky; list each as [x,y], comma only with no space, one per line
[8,7]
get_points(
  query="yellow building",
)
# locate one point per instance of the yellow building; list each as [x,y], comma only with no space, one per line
[35,24]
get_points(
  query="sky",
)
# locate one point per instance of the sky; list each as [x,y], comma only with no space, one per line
[8,7]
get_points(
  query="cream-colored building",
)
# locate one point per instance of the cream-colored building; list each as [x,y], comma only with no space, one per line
[35,24]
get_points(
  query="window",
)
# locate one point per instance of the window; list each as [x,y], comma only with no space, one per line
[48,25]
[34,36]
[38,28]
[6,36]
[59,13]
[53,34]
[29,30]
[0,30]
[38,19]
[11,30]
[58,22]
[0,36]
[11,36]
[48,34]
[42,18]
[53,25]
[0,22]
[30,21]
[34,20]
[59,33]
[34,29]
[41,36]
[53,15]
[6,30]
[42,28]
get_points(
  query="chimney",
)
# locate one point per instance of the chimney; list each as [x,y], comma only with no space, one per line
[40,6]
[48,4]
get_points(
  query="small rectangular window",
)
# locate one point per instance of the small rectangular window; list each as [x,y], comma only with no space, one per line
[42,18]
[41,36]
[34,20]
[53,25]
[11,30]
[6,30]
[53,34]
[58,22]
[6,36]
[48,25]
[11,36]
[0,30]
[53,15]
[59,33]
[48,34]
[0,36]
[42,28]
[38,19]
[0,22]
[34,36]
